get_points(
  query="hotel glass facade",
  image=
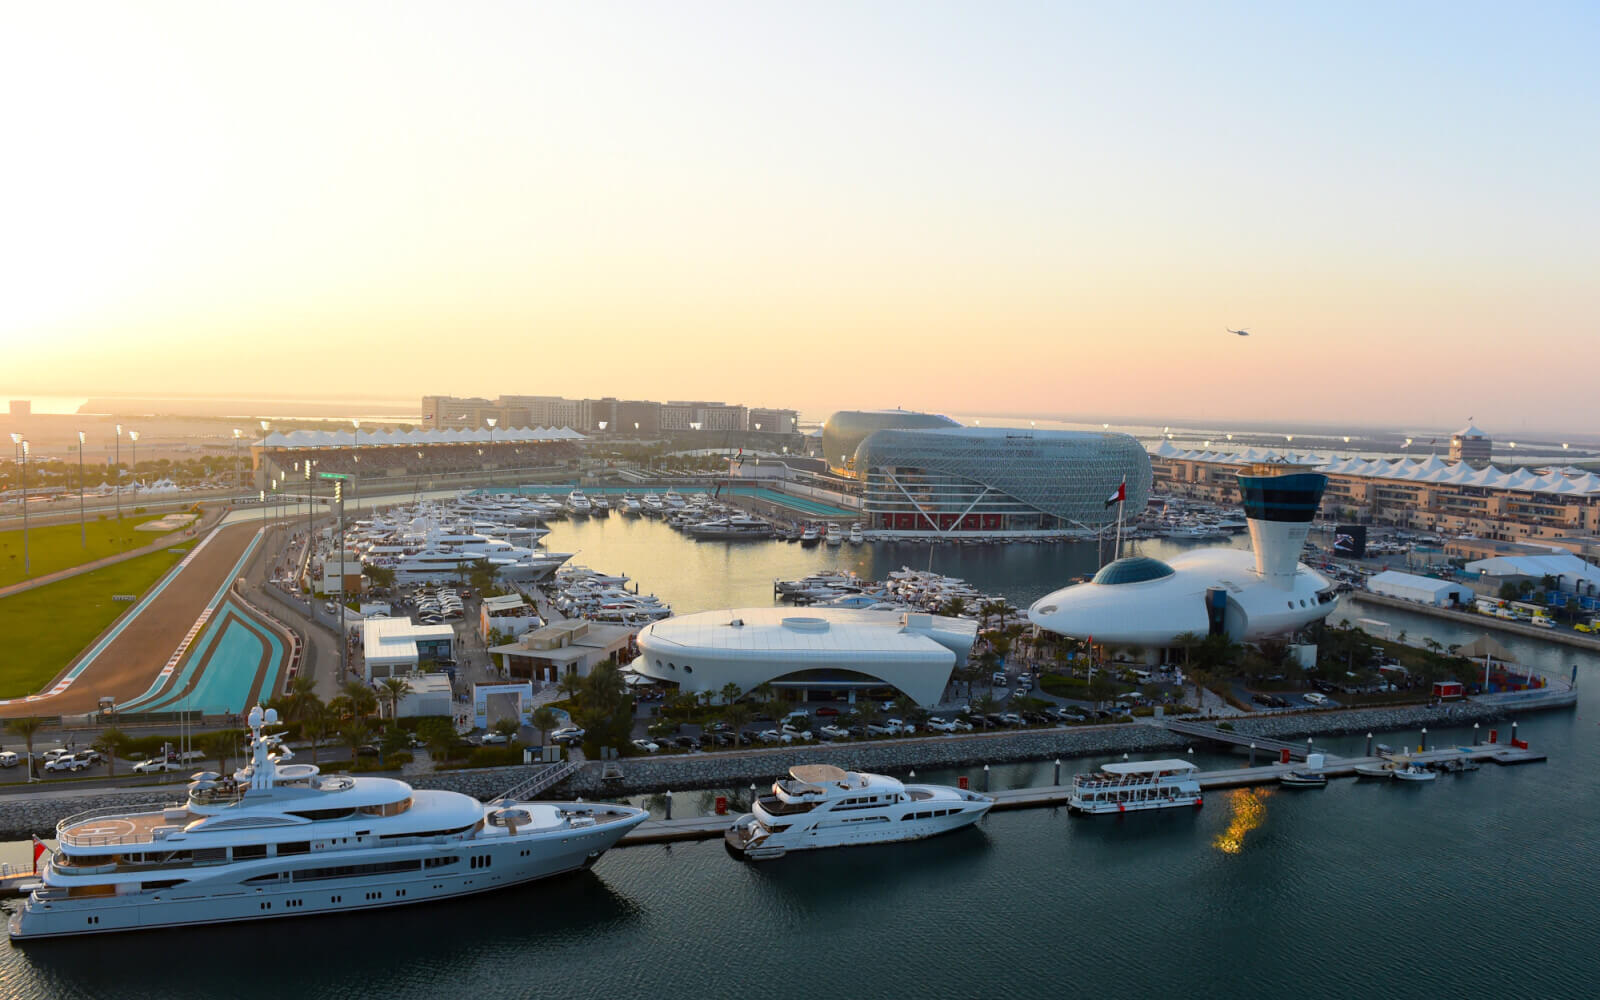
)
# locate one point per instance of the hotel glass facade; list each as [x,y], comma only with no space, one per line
[994,480]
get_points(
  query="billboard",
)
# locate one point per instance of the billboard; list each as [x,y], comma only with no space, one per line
[1350,541]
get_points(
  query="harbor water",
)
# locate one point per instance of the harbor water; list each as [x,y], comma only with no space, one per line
[1479,884]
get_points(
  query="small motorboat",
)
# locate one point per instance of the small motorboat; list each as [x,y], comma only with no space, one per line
[1382,772]
[1303,779]
[1414,772]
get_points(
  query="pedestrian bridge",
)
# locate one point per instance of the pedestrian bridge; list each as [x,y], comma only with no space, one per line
[1274,747]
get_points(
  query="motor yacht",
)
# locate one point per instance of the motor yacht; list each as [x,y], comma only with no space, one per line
[630,505]
[1303,779]
[820,805]
[810,536]
[856,537]
[277,839]
[578,504]
[733,528]
[835,535]
[1412,771]
[600,506]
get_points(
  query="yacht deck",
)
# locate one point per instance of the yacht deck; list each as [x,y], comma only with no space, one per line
[124,826]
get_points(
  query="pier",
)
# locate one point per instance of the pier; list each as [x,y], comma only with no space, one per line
[664,831]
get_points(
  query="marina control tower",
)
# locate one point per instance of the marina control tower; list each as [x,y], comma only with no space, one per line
[1279,508]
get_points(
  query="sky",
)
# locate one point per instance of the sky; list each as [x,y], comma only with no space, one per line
[1052,208]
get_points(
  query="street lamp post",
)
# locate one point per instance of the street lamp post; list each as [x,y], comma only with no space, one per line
[117,479]
[491,421]
[133,439]
[83,529]
[238,479]
[26,565]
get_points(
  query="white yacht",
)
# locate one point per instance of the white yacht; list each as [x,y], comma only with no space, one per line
[824,806]
[810,535]
[835,535]
[600,506]
[856,537]
[630,505]
[282,840]
[579,504]
[1131,786]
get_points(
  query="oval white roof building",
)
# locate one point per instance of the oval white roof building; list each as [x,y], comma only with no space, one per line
[817,649]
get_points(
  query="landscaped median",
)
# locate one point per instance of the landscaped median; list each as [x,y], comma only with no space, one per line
[47,627]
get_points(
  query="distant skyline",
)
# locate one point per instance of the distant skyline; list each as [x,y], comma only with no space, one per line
[1024,208]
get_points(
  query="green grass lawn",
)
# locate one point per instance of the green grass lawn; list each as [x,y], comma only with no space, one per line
[57,546]
[46,627]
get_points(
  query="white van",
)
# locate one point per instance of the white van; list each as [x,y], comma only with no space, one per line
[999,679]
[9,759]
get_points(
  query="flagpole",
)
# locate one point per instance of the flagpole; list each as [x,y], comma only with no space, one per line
[1118,553]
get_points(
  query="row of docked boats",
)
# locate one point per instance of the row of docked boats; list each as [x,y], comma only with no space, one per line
[433,543]
[904,589]
[580,592]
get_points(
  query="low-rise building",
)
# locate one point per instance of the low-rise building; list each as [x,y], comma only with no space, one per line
[430,695]
[510,615]
[567,647]
[1422,589]
[394,646]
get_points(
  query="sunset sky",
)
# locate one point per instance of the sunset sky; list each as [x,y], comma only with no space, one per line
[1051,207]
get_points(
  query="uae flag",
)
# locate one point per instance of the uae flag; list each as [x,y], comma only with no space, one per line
[1120,494]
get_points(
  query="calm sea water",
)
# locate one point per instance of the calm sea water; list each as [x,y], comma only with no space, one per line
[1482,884]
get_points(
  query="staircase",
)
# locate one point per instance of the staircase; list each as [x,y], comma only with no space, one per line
[544,778]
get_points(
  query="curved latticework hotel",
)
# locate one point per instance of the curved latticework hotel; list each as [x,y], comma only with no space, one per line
[949,480]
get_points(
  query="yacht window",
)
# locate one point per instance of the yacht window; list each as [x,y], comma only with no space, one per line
[247,851]
[688,669]
[294,847]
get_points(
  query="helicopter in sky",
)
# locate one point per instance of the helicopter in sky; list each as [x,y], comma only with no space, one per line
[1241,333]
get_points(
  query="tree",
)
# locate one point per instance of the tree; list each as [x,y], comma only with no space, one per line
[1187,641]
[985,706]
[604,708]
[730,693]
[907,708]
[1101,688]
[508,727]
[112,741]
[544,720]
[316,726]
[379,576]
[363,700]
[737,715]
[394,688]
[1201,678]
[25,727]
[481,575]
[221,745]
[955,607]
[570,684]
[301,702]
[355,734]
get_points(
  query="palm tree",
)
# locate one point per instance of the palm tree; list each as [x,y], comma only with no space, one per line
[544,720]
[730,693]
[395,688]
[955,607]
[570,684]
[354,735]
[316,726]
[302,696]
[220,745]
[507,727]
[112,741]
[1201,678]
[736,715]
[1187,641]
[988,609]
[363,700]
[26,727]
[866,711]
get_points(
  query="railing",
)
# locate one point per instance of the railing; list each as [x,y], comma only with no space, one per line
[134,836]
[545,778]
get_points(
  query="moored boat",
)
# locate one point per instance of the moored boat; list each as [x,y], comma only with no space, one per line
[1136,786]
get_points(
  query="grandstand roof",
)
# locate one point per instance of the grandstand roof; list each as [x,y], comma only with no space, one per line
[1569,481]
[394,438]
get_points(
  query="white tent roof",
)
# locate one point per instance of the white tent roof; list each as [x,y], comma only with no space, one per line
[394,438]
[1563,564]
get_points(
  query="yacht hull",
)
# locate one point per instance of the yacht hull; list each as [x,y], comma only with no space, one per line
[845,835]
[213,901]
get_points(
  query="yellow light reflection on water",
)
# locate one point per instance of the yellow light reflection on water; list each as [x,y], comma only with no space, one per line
[1247,809]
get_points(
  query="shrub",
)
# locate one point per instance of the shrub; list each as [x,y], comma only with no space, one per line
[495,756]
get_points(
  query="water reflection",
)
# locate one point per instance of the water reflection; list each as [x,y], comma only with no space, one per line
[1247,810]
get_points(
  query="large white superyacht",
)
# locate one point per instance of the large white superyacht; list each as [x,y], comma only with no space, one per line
[825,806]
[280,840]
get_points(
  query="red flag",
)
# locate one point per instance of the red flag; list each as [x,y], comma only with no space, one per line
[38,851]
[1121,493]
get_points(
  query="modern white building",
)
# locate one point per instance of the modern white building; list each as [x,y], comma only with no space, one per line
[1423,589]
[509,614]
[392,646]
[822,650]
[1572,574]
[567,647]
[1139,601]
[430,695]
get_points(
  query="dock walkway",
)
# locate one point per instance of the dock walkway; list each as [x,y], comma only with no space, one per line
[661,831]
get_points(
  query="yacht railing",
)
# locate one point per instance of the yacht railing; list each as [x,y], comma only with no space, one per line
[132,836]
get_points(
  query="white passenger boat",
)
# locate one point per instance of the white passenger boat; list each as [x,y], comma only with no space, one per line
[1131,786]
[283,840]
[820,805]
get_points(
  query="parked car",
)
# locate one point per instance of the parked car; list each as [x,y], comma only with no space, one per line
[835,733]
[874,729]
[646,746]
[66,762]
[492,737]
[827,710]
[156,765]
[899,726]
[938,725]
[9,758]
[1315,698]
[1011,719]
[567,734]
[799,734]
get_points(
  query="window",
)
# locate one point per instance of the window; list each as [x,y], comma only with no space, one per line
[294,847]
[352,871]
[688,669]
[249,851]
